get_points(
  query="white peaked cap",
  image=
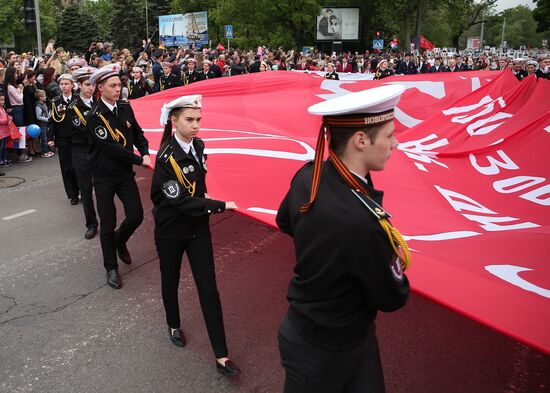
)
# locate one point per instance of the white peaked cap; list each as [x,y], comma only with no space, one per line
[371,101]
[194,101]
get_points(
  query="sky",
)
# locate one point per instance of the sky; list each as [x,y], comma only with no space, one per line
[501,5]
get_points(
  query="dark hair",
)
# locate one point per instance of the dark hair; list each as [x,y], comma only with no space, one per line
[339,136]
[10,77]
[168,127]
[48,74]
[29,74]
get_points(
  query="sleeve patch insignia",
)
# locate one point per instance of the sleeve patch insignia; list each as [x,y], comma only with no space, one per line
[101,132]
[171,189]
[396,269]
[76,121]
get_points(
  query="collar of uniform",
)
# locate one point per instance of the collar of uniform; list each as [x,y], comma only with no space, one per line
[179,153]
[66,99]
[188,148]
[107,105]
[86,101]
[375,194]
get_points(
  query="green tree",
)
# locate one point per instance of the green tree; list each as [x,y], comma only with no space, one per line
[11,25]
[128,23]
[541,14]
[464,14]
[99,13]
[69,34]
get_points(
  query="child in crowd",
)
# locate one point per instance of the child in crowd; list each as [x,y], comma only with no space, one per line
[42,117]
[4,133]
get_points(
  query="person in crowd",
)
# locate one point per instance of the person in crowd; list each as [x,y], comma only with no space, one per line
[382,70]
[344,65]
[42,113]
[29,113]
[158,58]
[15,98]
[138,86]
[168,80]
[237,68]
[406,66]
[114,132]
[531,67]
[518,69]
[191,75]
[331,72]
[350,261]
[60,135]
[544,67]
[437,67]
[77,112]
[181,211]
[255,66]
[207,73]
[4,134]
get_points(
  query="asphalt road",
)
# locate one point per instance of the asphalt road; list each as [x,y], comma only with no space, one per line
[62,329]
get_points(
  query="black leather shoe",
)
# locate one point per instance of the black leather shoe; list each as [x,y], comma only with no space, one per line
[90,233]
[228,369]
[122,251]
[74,200]
[113,279]
[177,337]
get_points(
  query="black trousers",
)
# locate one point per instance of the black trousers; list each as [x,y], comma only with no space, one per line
[201,259]
[64,147]
[125,188]
[309,369]
[83,170]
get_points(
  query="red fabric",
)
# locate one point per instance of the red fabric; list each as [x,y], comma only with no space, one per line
[468,186]
[424,43]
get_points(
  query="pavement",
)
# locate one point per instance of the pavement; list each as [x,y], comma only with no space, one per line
[62,329]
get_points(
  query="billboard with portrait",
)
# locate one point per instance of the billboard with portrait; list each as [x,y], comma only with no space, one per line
[184,29]
[337,24]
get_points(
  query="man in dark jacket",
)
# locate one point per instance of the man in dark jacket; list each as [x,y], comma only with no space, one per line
[406,66]
[347,266]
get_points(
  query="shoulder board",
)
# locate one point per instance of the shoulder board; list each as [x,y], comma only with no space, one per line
[122,102]
[56,98]
[372,206]
[94,110]
[72,104]
[166,153]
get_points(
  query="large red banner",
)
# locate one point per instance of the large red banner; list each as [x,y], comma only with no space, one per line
[468,185]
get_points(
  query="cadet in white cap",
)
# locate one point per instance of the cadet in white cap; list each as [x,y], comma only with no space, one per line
[350,261]
[207,72]
[138,86]
[168,80]
[115,131]
[191,74]
[544,66]
[75,63]
[77,112]
[60,134]
[518,70]
[181,210]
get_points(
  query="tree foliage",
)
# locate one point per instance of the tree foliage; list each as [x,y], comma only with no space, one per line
[541,14]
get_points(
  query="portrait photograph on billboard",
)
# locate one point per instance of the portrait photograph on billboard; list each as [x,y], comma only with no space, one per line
[184,29]
[338,24]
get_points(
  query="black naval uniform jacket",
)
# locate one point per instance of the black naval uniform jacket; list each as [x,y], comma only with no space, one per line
[109,157]
[406,68]
[168,82]
[383,74]
[346,269]
[178,214]
[60,128]
[80,137]
[139,89]
[332,75]
[209,75]
[190,77]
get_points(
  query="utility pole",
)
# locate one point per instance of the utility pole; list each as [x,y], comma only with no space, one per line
[503,27]
[481,34]
[417,38]
[146,19]
[38,30]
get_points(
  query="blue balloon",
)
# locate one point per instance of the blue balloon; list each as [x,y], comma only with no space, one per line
[33,131]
